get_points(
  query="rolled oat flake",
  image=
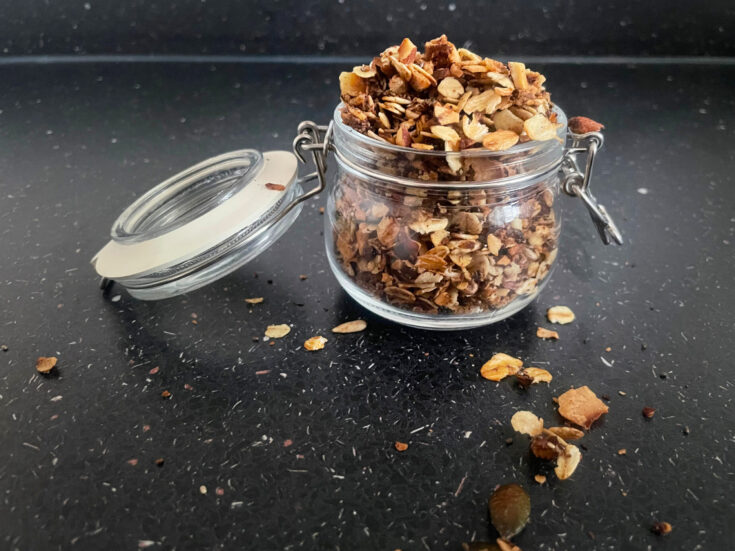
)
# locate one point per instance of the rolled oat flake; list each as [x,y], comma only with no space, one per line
[215,216]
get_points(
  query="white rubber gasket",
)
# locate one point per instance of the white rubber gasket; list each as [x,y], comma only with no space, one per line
[118,260]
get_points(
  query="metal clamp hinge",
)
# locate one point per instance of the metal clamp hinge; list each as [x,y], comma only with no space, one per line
[577,183]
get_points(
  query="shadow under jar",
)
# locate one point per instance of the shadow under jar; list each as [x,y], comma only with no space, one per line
[443,240]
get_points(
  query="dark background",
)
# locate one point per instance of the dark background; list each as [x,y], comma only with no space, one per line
[654,327]
[351,27]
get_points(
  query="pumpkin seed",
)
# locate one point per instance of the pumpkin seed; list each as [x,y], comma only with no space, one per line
[510,509]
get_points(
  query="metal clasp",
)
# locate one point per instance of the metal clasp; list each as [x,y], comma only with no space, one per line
[577,183]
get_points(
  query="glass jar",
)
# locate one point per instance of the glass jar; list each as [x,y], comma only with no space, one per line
[443,240]
[430,239]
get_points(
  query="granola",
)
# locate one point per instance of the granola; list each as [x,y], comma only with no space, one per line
[447,250]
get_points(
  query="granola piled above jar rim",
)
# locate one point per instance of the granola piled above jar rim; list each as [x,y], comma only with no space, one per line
[446,99]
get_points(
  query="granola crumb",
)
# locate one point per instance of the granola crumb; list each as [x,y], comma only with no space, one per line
[661,528]
[401,446]
[165,394]
[540,478]
[315,343]
[543,333]
[622,451]
[45,365]
[648,412]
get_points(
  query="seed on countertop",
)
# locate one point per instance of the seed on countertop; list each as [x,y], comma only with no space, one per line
[622,451]
[4,348]
[45,365]
[219,491]
[648,412]
[154,370]
[255,300]
[165,394]
[540,478]
[350,327]
[159,462]
[622,393]
[303,277]
[661,528]
[275,187]
[401,446]
[132,462]
[202,489]
[510,509]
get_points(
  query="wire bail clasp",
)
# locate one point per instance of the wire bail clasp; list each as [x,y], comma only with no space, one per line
[577,183]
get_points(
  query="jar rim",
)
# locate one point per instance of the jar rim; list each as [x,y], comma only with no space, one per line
[518,148]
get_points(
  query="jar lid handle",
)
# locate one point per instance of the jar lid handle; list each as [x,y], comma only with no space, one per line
[577,183]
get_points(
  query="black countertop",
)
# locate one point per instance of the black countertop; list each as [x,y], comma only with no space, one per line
[654,320]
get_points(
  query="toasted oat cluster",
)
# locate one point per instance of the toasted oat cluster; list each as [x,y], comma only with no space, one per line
[446,99]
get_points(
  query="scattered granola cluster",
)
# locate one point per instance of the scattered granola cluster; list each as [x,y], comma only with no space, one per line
[445,250]
[446,98]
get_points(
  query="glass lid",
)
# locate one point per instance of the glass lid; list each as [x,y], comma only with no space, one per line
[202,223]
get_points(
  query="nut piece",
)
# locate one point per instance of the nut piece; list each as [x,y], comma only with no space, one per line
[401,446]
[567,433]
[510,509]
[661,528]
[500,366]
[256,300]
[540,478]
[450,88]
[275,187]
[546,446]
[539,128]
[583,125]
[500,140]
[315,343]
[45,365]
[351,84]
[526,422]
[535,375]
[648,412]
[567,462]
[543,333]
[277,331]
[518,74]
[581,406]
[350,327]
[560,314]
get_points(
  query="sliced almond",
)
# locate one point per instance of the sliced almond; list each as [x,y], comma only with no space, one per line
[429,225]
[350,327]
[518,74]
[446,114]
[450,87]
[500,140]
[445,133]
[567,462]
[401,68]
[500,79]
[567,433]
[526,422]
[365,71]
[560,314]
[480,102]
[277,331]
[506,120]
[473,129]
[539,128]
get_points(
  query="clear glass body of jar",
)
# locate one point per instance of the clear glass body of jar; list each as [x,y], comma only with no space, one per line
[443,240]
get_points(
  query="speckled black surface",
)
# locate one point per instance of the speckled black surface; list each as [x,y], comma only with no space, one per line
[77,143]
[350,27]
